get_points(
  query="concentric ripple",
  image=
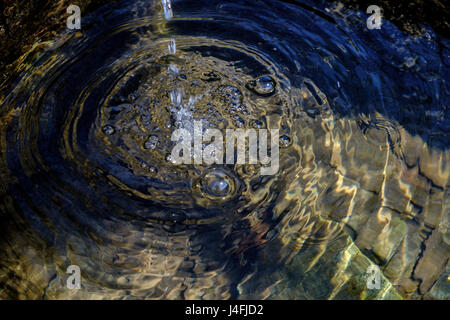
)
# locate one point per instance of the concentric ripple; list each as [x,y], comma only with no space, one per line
[86,162]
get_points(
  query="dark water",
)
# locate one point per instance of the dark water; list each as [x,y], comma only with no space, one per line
[364,157]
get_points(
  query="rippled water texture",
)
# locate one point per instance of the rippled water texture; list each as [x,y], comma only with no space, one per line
[87,180]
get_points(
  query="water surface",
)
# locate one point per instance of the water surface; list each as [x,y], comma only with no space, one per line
[86,176]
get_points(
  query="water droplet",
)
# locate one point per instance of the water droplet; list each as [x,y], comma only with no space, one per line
[108,130]
[263,86]
[151,143]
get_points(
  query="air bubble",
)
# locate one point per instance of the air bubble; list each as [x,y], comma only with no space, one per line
[151,143]
[284,141]
[144,165]
[238,122]
[170,159]
[108,130]
[257,124]
[231,95]
[263,86]
[132,97]
[217,184]
[410,62]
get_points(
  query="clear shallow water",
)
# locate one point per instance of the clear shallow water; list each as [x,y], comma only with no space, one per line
[364,160]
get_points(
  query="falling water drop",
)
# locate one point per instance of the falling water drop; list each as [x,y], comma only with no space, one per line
[172,46]
[167,6]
